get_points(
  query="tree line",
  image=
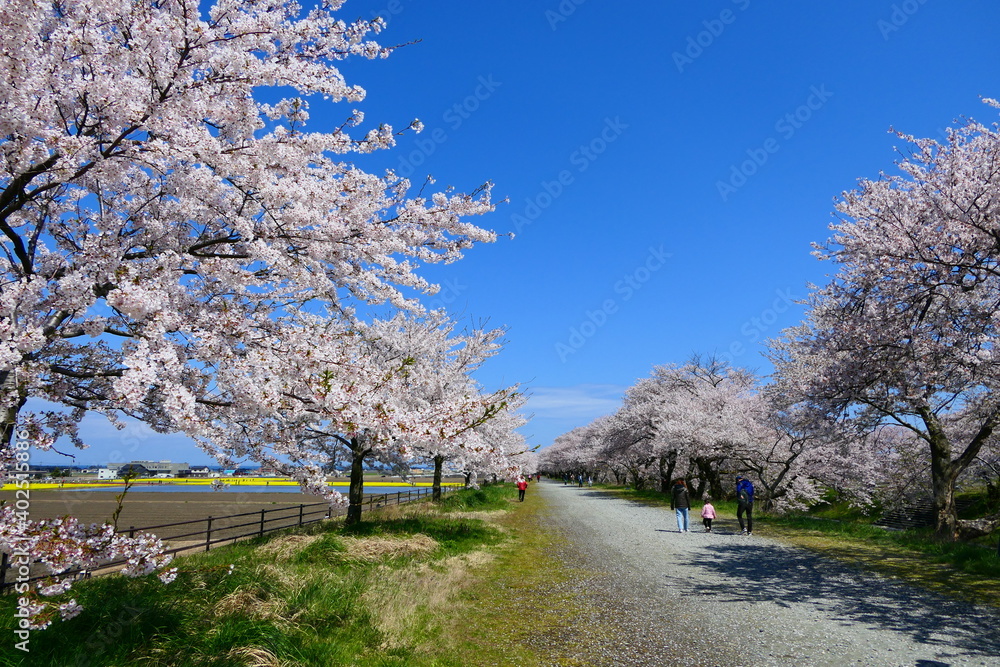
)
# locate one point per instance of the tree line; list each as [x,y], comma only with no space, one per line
[885,391]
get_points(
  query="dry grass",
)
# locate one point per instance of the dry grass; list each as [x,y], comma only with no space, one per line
[430,590]
[491,517]
[373,549]
[432,603]
[249,605]
[256,656]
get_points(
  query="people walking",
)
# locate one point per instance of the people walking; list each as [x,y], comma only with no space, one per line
[744,504]
[707,514]
[522,486]
[680,502]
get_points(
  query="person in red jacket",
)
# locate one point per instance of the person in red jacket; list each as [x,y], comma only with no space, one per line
[522,486]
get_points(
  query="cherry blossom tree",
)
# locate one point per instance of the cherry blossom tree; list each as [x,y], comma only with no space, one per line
[687,418]
[702,419]
[495,447]
[889,467]
[708,412]
[148,197]
[440,385]
[791,454]
[166,219]
[576,450]
[906,332]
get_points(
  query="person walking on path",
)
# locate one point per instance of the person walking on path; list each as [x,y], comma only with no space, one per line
[707,514]
[680,502]
[522,486]
[744,504]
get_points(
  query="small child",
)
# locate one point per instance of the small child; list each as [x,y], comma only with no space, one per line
[707,514]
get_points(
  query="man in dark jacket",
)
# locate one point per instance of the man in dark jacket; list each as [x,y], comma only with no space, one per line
[744,503]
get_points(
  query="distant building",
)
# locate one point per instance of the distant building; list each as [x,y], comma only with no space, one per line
[134,470]
[150,468]
[195,471]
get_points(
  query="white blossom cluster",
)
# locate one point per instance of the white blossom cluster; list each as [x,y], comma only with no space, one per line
[63,547]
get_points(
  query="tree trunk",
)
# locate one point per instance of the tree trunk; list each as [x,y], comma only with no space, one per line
[943,487]
[715,488]
[9,387]
[356,493]
[667,464]
[943,475]
[436,487]
[637,481]
[945,471]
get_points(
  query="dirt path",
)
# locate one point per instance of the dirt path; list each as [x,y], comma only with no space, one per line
[657,597]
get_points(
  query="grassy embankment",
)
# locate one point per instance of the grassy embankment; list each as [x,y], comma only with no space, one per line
[969,571]
[412,585]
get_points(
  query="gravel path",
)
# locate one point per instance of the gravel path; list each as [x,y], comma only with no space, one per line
[657,597]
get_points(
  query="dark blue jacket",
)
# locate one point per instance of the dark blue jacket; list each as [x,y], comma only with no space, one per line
[744,485]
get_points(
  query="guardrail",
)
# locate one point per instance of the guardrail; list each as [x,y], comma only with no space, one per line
[221,529]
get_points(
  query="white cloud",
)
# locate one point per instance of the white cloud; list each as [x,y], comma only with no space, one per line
[583,402]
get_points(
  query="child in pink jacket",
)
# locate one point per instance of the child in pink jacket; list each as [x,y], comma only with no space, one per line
[707,514]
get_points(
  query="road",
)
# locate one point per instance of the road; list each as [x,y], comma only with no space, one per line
[654,596]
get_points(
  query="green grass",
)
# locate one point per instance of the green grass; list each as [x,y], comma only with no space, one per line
[325,595]
[522,610]
[493,497]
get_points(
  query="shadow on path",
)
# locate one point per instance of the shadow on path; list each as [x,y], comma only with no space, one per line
[757,573]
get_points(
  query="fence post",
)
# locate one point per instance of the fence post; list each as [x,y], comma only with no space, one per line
[301,507]
[131,531]
[262,522]
[3,569]
[208,534]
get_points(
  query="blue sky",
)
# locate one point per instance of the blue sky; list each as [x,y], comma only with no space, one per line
[667,166]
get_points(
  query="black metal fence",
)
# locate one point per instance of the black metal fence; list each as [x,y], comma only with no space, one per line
[230,528]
